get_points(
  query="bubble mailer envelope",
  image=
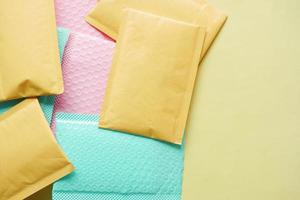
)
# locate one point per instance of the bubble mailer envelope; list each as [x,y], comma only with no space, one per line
[30,156]
[71,13]
[152,77]
[112,165]
[107,15]
[29,64]
[86,65]
[47,102]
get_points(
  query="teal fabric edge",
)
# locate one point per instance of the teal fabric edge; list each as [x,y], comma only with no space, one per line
[95,118]
[63,37]
[69,195]
[89,123]
[46,102]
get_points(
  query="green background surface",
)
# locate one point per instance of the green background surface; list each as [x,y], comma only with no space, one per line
[243,134]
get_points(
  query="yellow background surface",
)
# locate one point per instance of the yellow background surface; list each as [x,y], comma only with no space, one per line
[243,135]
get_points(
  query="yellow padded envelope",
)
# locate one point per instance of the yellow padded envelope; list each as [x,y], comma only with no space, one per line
[29,55]
[152,76]
[107,15]
[30,158]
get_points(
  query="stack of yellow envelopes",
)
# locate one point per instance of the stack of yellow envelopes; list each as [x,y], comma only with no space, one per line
[30,67]
[159,46]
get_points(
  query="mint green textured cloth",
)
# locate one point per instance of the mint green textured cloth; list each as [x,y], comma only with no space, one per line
[47,102]
[110,165]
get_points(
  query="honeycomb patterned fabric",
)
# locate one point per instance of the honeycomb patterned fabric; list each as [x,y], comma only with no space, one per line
[115,166]
[86,65]
[71,13]
[46,102]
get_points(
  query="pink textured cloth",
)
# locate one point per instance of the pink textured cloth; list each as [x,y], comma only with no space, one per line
[86,65]
[71,13]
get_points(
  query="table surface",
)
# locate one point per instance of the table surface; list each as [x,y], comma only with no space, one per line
[243,133]
[243,136]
